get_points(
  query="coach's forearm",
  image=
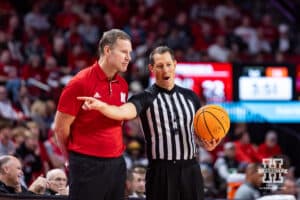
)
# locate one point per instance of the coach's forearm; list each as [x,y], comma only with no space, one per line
[62,138]
[62,124]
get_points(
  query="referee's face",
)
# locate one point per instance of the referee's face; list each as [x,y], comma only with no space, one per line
[164,70]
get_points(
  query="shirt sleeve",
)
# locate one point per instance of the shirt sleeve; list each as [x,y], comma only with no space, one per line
[195,99]
[68,102]
[141,101]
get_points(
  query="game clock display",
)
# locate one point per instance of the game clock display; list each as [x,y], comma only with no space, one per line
[265,83]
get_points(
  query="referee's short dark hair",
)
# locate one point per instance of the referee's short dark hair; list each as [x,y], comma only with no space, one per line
[110,37]
[160,50]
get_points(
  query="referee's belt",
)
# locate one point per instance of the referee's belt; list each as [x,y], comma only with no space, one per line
[173,162]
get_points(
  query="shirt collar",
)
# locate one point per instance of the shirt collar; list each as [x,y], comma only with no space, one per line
[160,89]
[101,73]
[7,188]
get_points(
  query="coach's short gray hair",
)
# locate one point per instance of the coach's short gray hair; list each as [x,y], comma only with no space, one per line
[110,37]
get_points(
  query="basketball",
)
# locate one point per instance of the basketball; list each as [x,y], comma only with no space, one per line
[211,122]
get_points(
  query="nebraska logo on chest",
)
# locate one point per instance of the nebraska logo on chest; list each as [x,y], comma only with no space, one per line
[123,97]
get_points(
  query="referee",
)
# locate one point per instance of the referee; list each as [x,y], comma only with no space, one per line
[166,113]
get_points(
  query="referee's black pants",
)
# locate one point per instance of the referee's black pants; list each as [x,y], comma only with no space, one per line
[174,180]
[93,178]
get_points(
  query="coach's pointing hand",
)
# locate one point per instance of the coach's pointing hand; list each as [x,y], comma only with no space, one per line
[91,103]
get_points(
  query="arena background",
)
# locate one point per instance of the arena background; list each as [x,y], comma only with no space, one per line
[254,43]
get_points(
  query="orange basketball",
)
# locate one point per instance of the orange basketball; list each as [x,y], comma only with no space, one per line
[211,122]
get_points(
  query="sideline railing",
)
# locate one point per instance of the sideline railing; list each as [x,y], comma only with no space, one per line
[31,197]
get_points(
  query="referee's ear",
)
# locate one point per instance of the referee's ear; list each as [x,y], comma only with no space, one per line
[150,67]
[175,63]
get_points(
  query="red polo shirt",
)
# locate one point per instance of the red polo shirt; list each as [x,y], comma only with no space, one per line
[92,133]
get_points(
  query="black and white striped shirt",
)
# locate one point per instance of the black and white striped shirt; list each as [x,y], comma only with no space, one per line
[166,118]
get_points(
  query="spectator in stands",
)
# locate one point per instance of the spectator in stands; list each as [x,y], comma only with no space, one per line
[66,17]
[177,39]
[60,53]
[134,155]
[78,58]
[267,25]
[270,147]
[249,189]
[34,74]
[29,154]
[7,146]
[88,31]
[136,182]
[6,109]
[38,115]
[298,188]
[227,164]
[202,9]
[247,33]
[283,43]
[57,182]
[245,151]
[192,55]
[36,19]
[34,47]
[218,51]
[11,175]
[14,32]
[261,45]
[22,101]
[18,135]
[288,187]
[8,67]
[54,154]
[210,189]
[34,128]
[227,10]
[237,131]
[135,30]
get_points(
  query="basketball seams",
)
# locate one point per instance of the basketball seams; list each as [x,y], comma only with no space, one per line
[218,109]
[196,121]
[207,125]
[212,114]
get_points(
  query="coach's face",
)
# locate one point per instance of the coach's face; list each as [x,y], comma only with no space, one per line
[164,70]
[119,55]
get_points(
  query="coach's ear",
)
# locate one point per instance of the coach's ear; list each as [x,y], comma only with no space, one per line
[106,49]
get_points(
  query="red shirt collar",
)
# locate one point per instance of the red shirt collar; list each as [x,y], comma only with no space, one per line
[101,73]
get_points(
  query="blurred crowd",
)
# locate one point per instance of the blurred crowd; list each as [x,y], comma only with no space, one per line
[43,43]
